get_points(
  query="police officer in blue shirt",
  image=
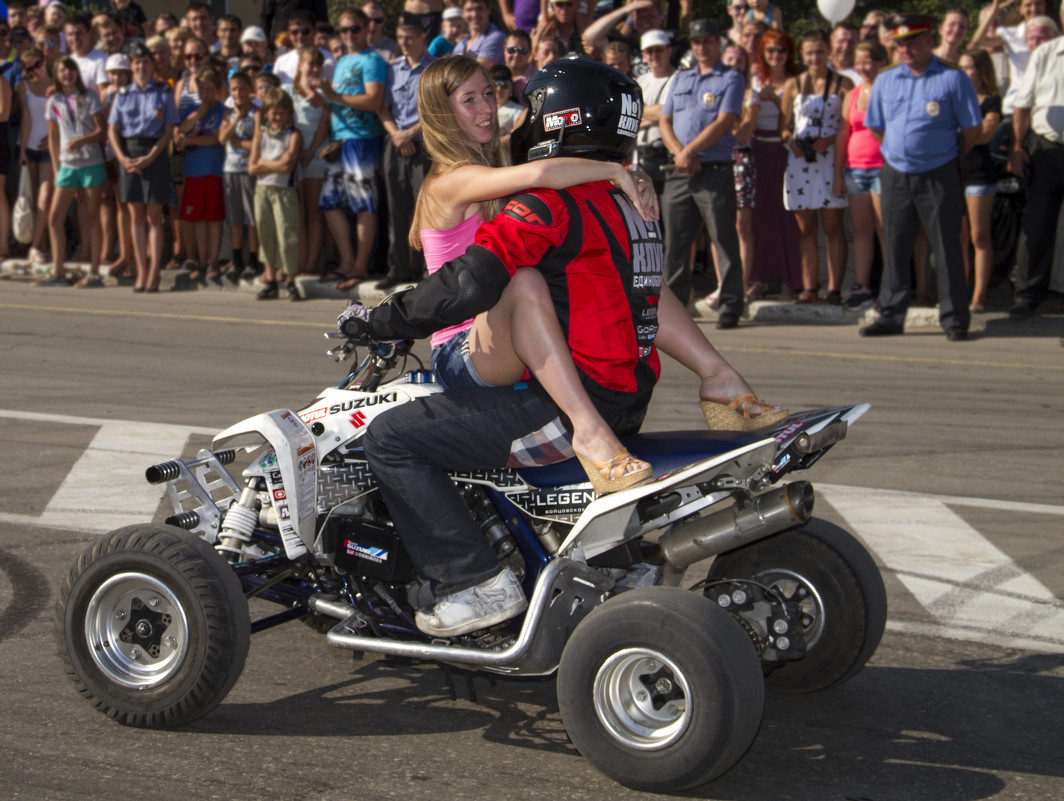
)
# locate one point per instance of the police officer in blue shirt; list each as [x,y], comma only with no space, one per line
[696,126]
[404,161]
[916,109]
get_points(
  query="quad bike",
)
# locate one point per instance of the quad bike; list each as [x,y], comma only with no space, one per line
[660,682]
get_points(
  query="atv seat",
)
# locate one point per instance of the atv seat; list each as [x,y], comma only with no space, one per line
[666,451]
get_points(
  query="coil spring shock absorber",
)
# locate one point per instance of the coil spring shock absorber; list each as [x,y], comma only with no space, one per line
[239,523]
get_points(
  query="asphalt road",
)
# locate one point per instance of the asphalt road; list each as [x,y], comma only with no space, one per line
[957,464]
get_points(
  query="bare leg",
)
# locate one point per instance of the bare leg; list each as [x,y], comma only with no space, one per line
[521,331]
[139,228]
[864,237]
[366,228]
[836,244]
[92,215]
[680,337]
[336,219]
[980,212]
[744,225]
[45,190]
[807,248]
[154,243]
[61,198]
[5,219]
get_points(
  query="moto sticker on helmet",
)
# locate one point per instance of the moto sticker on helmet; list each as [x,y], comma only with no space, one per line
[557,120]
[631,113]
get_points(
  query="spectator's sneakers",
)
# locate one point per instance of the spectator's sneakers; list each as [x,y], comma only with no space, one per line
[860,298]
[490,602]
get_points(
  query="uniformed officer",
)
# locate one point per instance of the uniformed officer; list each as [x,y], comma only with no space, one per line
[916,109]
[142,124]
[696,126]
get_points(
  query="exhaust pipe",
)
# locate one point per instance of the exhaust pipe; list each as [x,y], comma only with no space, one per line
[743,523]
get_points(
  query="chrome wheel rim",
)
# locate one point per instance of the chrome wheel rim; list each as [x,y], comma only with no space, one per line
[643,698]
[136,630]
[790,585]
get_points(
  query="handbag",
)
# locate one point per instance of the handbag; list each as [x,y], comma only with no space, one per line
[22,214]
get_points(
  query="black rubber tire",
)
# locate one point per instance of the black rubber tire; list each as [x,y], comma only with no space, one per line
[206,625]
[850,587]
[706,647]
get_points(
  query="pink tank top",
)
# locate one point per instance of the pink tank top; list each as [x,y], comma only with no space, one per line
[862,151]
[442,246]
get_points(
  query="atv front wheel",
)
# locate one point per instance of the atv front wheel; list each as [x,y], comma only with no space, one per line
[152,626]
[660,689]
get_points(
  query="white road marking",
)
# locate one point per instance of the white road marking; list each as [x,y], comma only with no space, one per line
[105,488]
[972,589]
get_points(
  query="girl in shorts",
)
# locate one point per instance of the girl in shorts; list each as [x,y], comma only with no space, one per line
[470,181]
[75,131]
[275,152]
[312,120]
[858,163]
[979,176]
[32,94]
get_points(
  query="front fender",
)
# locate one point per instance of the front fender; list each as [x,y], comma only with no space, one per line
[293,480]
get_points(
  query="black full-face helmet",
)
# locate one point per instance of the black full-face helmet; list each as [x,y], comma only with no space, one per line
[579,107]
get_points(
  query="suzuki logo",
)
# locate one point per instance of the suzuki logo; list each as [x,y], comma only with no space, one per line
[358,419]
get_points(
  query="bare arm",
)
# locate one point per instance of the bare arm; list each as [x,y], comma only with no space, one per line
[53,146]
[988,18]
[990,125]
[5,100]
[595,35]
[969,136]
[1021,126]
[98,133]
[461,188]
[370,100]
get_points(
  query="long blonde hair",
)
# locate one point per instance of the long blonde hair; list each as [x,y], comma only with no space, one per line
[447,146]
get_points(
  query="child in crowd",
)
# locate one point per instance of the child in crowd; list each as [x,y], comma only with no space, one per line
[511,114]
[75,130]
[312,120]
[275,151]
[114,217]
[452,28]
[203,198]
[237,133]
[265,82]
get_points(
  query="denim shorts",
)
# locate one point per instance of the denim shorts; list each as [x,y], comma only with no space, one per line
[452,364]
[980,190]
[861,182]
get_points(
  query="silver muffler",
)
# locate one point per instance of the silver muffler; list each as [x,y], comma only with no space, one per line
[740,524]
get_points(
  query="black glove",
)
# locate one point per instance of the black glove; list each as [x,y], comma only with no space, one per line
[353,323]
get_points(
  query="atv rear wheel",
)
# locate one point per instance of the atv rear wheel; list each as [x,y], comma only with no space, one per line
[660,689]
[839,589]
[152,626]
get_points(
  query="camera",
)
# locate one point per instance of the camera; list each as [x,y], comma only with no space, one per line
[805,145]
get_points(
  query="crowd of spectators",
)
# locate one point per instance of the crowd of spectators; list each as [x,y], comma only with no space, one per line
[296,141]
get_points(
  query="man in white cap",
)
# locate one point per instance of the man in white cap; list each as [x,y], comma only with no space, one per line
[253,43]
[651,154]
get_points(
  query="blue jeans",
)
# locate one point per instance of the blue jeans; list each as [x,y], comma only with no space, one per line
[412,447]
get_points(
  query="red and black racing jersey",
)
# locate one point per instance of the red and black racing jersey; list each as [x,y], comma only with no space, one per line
[603,265]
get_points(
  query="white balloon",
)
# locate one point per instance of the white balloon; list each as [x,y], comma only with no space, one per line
[835,10]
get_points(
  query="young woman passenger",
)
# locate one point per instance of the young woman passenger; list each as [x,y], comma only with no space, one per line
[858,163]
[810,116]
[977,172]
[75,131]
[470,181]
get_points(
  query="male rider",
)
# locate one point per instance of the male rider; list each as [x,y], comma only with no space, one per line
[601,263]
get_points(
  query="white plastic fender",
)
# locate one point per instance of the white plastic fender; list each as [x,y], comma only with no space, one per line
[293,480]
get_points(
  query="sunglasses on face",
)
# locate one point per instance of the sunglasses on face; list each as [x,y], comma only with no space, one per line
[48,43]
[502,84]
[516,49]
[741,8]
[32,67]
[375,21]
[352,29]
[561,4]
[776,50]
[194,56]
[299,31]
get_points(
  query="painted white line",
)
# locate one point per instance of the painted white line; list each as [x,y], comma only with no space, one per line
[960,500]
[105,488]
[969,585]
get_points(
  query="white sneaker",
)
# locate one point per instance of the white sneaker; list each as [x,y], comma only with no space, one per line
[490,602]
